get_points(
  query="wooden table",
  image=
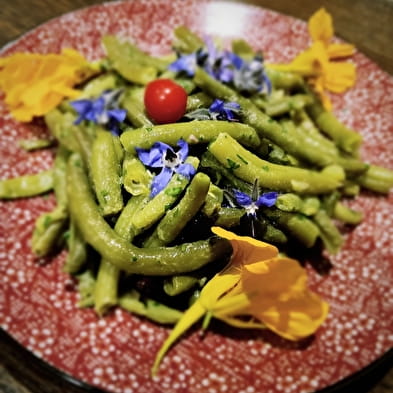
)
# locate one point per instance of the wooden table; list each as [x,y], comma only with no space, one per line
[367,24]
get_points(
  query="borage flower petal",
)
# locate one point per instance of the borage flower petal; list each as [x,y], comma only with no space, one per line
[163,156]
[102,110]
[185,63]
[267,199]
[160,181]
[221,110]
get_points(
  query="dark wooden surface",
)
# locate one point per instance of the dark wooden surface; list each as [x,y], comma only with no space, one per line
[366,23]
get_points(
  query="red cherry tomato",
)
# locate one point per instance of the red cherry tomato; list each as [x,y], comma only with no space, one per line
[165,101]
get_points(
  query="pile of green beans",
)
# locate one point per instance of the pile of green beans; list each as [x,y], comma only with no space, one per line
[152,256]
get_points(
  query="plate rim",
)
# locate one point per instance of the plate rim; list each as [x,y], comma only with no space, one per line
[379,366]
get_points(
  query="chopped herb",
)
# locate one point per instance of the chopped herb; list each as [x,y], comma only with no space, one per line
[232,165]
[242,159]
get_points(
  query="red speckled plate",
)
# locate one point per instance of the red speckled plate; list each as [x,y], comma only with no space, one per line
[38,308]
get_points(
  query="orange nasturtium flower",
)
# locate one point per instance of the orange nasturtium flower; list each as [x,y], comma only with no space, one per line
[34,83]
[259,289]
[316,62]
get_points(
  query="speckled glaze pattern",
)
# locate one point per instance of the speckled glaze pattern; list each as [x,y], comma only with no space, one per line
[38,301]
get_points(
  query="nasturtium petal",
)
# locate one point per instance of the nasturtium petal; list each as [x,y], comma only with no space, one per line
[191,316]
[340,76]
[320,26]
[34,83]
[336,50]
[282,301]
[316,62]
[246,250]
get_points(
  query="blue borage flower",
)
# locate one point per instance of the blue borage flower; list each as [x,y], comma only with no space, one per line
[102,110]
[252,203]
[221,110]
[163,156]
[218,110]
[227,67]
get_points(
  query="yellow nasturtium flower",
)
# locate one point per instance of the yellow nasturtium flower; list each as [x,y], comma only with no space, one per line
[259,289]
[34,83]
[317,63]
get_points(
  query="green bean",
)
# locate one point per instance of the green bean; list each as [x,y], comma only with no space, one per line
[96,86]
[287,104]
[213,200]
[47,232]
[310,205]
[77,250]
[242,49]
[229,217]
[276,155]
[186,83]
[284,80]
[136,178]
[249,167]
[350,188]
[377,179]
[329,201]
[192,132]
[217,170]
[27,185]
[125,53]
[124,61]
[297,225]
[312,137]
[85,143]
[35,144]
[157,206]
[347,215]
[158,261]
[186,41]
[86,283]
[61,125]
[271,129]
[274,235]
[150,309]
[119,151]
[105,173]
[176,218]
[329,233]
[49,227]
[197,101]
[345,138]
[289,202]
[132,102]
[106,288]
[176,285]
[131,52]
[304,122]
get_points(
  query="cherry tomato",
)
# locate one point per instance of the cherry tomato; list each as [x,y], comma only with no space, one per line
[165,101]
